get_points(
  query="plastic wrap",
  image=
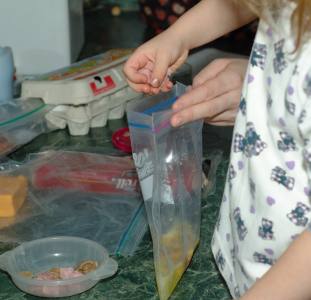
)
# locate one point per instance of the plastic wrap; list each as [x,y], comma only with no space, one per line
[20,122]
[86,172]
[96,204]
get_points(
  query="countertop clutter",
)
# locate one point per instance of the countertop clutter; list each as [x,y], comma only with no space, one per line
[135,277]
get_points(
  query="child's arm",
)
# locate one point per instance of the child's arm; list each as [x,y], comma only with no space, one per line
[290,277]
[208,20]
[146,70]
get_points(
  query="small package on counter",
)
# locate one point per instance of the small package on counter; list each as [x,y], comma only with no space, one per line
[93,196]
[169,166]
[21,120]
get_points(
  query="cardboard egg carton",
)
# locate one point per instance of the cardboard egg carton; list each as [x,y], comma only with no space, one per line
[82,82]
[86,94]
[80,119]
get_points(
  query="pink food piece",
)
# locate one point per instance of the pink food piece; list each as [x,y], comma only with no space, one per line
[46,276]
[67,273]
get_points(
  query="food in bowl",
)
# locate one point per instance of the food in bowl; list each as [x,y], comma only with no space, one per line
[62,273]
[35,267]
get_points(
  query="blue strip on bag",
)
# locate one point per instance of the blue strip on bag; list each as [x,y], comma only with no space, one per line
[158,107]
[127,234]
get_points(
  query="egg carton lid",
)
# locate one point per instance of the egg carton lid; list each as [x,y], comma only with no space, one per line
[82,82]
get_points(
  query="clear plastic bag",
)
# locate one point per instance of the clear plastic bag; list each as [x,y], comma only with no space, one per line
[21,121]
[169,165]
[113,217]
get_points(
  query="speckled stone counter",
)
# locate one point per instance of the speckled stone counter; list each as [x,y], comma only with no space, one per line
[136,278]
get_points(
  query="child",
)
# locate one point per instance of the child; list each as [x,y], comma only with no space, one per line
[160,14]
[262,241]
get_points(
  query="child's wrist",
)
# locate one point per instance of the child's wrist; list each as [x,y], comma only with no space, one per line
[176,36]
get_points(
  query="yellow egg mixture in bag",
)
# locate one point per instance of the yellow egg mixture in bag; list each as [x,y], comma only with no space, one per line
[176,248]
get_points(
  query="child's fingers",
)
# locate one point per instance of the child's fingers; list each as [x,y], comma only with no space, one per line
[137,77]
[154,91]
[160,69]
[140,88]
[146,73]
[166,86]
[133,75]
[132,69]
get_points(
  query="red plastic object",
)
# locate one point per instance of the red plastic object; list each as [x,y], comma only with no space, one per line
[85,172]
[121,140]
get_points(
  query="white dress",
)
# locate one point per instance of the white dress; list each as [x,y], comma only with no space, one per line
[266,201]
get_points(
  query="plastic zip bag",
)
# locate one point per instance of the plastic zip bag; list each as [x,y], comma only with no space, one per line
[169,165]
[116,219]
[118,224]
[21,121]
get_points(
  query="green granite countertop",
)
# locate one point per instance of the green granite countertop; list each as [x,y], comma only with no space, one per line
[135,278]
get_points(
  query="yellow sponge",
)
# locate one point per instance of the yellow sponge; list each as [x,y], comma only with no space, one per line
[13,192]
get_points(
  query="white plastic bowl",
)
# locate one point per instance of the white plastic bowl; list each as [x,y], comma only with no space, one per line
[43,254]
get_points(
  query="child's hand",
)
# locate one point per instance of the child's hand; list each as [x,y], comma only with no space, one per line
[148,69]
[214,95]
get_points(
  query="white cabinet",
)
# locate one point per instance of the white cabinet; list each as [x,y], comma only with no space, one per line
[43,34]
